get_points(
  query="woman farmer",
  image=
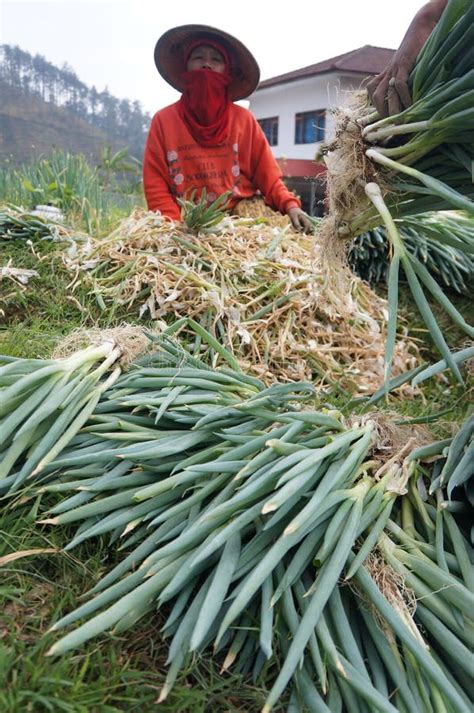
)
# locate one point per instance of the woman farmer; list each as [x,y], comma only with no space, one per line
[204,140]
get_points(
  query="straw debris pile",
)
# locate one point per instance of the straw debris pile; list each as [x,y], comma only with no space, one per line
[262,290]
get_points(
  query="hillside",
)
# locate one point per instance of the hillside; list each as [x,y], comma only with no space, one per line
[30,126]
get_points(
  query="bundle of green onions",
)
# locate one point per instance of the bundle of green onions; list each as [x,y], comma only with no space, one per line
[202,216]
[368,254]
[421,157]
[418,277]
[44,403]
[433,165]
[16,224]
[246,515]
[416,161]
[458,469]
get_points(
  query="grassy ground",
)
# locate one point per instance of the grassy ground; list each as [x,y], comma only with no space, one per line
[110,674]
[114,673]
[37,314]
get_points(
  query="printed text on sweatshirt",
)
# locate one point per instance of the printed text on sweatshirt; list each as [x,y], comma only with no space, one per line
[174,164]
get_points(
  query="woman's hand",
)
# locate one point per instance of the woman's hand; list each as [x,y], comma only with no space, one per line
[389,90]
[299,220]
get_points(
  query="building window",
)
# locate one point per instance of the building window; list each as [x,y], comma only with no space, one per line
[270,129]
[309,127]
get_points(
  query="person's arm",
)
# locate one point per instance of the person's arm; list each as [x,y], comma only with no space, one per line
[389,89]
[267,177]
[155,171]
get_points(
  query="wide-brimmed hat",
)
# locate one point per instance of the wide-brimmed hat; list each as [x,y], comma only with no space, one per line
[170,55]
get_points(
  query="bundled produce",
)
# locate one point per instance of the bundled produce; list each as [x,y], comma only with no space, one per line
[369,255]
[259,289]
[422,156]
[45,402]
[17,224]
[228,498]
[458,470]
[200,215]
[410,163]
[434,162]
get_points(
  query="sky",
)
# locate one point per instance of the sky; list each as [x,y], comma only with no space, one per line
[110,43]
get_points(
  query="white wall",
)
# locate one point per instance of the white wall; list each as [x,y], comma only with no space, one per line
[326,91]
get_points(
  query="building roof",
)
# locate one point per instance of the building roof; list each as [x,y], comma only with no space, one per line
[364,60]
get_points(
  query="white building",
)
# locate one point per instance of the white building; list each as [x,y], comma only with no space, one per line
[295,112]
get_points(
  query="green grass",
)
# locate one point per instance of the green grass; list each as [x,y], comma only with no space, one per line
[35,316]
[110,674]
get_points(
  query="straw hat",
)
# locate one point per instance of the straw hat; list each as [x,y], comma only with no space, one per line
[170,54]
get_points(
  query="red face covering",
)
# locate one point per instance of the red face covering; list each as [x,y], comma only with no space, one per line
[204,104]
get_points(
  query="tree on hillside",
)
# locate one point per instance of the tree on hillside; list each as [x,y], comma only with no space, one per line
[123,121]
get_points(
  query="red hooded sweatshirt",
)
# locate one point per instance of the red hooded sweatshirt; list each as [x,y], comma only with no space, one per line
[174,164]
